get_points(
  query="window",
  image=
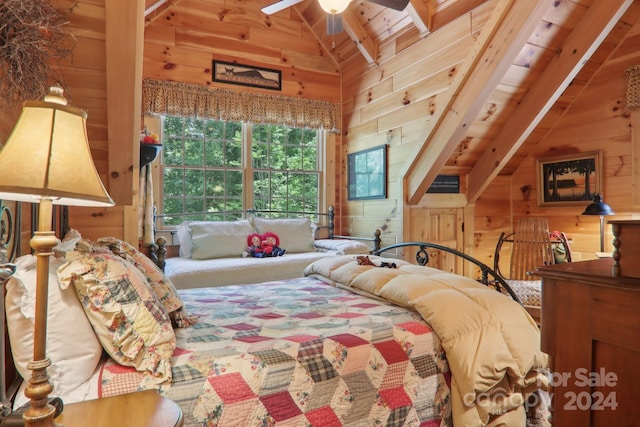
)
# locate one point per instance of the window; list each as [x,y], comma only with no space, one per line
[213,170]
[286,175]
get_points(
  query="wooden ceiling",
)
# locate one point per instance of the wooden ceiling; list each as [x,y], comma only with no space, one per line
[528,67]
[366,25]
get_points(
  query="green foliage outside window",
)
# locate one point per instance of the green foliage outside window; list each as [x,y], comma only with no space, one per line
[203,169]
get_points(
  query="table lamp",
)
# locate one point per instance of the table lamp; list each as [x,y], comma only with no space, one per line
[47,160]
[598,207]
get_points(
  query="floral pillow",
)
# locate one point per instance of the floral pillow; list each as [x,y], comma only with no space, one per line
[160,284]
[130,321]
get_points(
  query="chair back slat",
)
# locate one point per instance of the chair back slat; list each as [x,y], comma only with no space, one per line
[532,247]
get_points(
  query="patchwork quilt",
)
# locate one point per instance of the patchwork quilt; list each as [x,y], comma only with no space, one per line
[300,352]
[491,342]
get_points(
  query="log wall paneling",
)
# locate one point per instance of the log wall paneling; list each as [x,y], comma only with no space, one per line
[393,103]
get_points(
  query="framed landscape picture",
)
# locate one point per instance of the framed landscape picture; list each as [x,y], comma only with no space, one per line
[246,75]
[367,174]
[569,180]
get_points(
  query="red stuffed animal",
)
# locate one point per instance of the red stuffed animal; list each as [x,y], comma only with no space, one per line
[271,244]
[254,246]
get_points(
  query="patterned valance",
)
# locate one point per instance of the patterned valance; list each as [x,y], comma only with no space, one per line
[191,100]
[633,86]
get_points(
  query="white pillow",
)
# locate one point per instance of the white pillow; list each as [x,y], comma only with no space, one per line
[342,246]
[184,237]
[72,345]
[296,234]
[219,239]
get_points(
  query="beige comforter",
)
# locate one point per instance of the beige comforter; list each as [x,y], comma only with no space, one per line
[492,344]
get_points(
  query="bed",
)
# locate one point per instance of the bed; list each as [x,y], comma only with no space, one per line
[214,253]
[346,343]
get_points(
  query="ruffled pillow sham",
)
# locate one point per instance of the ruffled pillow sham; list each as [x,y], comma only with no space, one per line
[130,321]
[160,284]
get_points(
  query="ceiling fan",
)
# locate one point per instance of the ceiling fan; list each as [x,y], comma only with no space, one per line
[334,8]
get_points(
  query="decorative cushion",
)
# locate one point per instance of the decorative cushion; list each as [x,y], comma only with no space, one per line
[219,239]
[72,345]
[160,284]
[528,291]
[296,234]
[129,319]
[183,232]
[342,246]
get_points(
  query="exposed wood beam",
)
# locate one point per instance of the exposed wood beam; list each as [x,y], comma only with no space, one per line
[501,40]
[591,30]
[366,45]
[124,46]
[420,15]
[155,9]
[325,48]
[153,6]
[449,11]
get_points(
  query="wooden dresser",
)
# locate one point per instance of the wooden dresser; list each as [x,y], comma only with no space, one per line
[591,331]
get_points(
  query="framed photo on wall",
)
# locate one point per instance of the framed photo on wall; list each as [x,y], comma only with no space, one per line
[367,174]
[246,75]
[572,179]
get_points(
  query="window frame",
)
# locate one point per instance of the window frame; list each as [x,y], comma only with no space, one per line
[247,172]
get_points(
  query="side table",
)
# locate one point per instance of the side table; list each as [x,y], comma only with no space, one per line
[140,409]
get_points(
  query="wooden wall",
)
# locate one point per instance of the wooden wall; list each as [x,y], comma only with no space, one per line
[84,74]
[393,103]
[173,52]
[598,120]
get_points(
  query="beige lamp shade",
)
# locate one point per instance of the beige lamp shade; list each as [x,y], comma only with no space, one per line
[47,156]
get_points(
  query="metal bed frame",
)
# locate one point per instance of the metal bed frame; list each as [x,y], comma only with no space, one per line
[489,276]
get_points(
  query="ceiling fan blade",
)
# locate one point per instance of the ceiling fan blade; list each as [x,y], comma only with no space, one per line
[334,24]
[391,4]
[277,7]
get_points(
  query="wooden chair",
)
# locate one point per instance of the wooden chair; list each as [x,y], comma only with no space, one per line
[532,245]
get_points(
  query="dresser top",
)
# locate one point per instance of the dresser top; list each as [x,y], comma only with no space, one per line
[597,271]
[624,221]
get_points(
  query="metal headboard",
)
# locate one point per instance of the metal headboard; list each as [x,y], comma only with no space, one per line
[489,276]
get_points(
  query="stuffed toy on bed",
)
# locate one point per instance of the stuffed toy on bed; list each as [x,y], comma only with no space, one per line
[271,244]
[263,245]
[254,246]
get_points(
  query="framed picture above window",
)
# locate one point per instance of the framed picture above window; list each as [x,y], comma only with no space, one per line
[367,174]
[246,75]
[569,180]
